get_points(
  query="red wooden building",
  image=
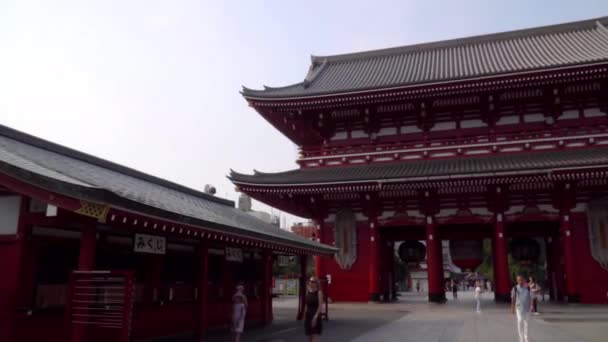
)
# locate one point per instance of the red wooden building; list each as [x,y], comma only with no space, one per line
[306,230]
[502,136]
[154,258]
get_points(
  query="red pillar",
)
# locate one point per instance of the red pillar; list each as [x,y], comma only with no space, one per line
[569,259]
[557,280]
[374,278]
[266,296]
[86,262]
[29,269]
[302,287]
[320,271]
[502,281]
[389,268]
[203,285]
[434,262]
[154,265]
[554,277]
[11,252]
[86,257]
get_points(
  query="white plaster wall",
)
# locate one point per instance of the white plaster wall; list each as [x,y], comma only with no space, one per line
[410,129]
[339,136]
[446,212]
[593,112]
[568,114]
[387,131]
[548,208]
[580,208]
[472,123]
[358,134]
[538,117]
[508,120]
[444,126]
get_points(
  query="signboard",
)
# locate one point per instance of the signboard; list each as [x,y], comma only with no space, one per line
[234,254]
[153,244]
[283,260]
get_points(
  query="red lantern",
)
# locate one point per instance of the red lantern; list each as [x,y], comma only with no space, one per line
[525,250]
[467,254]
[412,252]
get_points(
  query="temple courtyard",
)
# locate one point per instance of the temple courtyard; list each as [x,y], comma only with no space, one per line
[414,319]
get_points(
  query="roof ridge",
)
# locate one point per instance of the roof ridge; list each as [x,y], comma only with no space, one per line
[72,153]
[448,43]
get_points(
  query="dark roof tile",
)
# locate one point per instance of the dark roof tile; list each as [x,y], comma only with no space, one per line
[434,168]
[86,177]
[540,48]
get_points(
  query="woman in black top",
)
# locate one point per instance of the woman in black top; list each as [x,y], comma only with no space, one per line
[314,302]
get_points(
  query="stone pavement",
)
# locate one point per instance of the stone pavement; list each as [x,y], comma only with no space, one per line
[458,322]
[414,319]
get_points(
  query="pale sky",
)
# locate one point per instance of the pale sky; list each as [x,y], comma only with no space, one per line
[155,85]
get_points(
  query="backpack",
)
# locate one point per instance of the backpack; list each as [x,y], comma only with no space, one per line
[514,291]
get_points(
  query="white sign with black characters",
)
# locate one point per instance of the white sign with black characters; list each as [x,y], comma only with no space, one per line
[283,260]
[145,243]
[234,254]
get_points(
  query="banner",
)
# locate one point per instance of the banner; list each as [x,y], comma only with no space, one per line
[345,236]
[597,218]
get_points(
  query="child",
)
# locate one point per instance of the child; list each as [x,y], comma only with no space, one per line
[239,306]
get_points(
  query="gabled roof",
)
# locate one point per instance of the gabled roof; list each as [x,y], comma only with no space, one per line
[81,176]
[434,169]
[535,49]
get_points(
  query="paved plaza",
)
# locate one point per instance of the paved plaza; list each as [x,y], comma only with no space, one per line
[413,319]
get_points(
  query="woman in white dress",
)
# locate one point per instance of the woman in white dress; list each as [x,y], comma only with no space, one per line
[239,310]
[478,292]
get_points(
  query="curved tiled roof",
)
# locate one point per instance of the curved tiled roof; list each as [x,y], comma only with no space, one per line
[78,175]
[536,162]
[548,47]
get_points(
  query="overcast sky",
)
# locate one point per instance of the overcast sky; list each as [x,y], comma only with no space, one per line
[155,85]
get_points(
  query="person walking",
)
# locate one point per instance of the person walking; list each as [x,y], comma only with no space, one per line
[312,318]
[417,286]
[455,290]
[535,289]
[239,310]
[520,305]
[478,292]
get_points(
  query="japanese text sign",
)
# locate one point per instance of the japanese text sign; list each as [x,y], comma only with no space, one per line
[150,244]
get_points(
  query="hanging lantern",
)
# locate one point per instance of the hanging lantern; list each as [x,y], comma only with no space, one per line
[412,252]
[467,254]
[525,250]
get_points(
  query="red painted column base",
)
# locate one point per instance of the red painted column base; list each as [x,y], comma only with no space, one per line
[434,263]
[374,281]
[502,286]
[569,261]
[202,317]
